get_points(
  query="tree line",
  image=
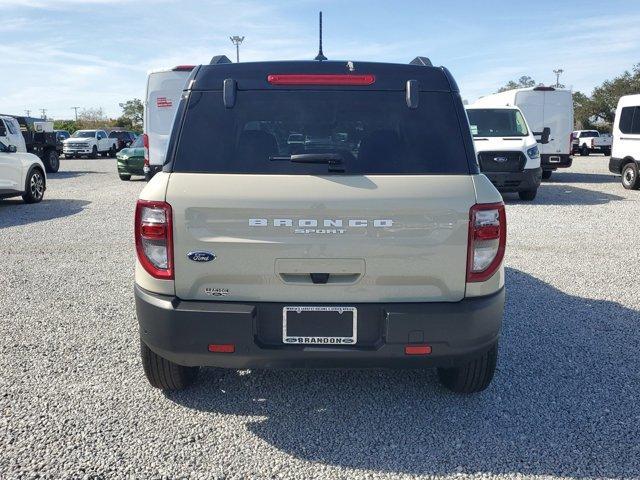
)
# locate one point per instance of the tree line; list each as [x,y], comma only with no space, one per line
[596,111]
[95,118]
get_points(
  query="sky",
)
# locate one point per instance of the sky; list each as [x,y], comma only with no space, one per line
[57,54]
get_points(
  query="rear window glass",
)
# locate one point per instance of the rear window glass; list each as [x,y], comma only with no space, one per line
[299,132]
[626,119]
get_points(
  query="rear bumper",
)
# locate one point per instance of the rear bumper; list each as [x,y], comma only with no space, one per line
[554,161]
[76,151]
[575,150]
[528,179]
[182,330]
[131,166]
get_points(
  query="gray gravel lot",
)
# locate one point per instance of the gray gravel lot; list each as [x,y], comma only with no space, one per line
[74,402]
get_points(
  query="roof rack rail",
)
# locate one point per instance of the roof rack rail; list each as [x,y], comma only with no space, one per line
[422,61]
[219,59]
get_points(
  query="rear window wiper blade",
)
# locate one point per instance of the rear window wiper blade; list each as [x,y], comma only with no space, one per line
[319,158]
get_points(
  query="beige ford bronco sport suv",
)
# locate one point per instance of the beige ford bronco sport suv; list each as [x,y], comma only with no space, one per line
[370,241]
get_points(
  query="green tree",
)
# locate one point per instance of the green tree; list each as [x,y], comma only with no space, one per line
[92,118]
[604,98]
[68,125]
[523,82]
[598,111]
[132,111]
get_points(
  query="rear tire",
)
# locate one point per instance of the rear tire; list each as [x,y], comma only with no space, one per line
[528,195]
[125,177]
[607,152]
[630,179]
[34,187]
[584,151]
[164,374]
[51,161]
[473,377]
[546,174]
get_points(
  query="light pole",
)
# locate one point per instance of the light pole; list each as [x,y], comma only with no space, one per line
[558,72]
[44,113]
[76,110]
[237,40]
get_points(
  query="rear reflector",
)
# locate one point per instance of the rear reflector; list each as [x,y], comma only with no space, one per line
[222,348]
[417,350]
[145,143]
[320,79]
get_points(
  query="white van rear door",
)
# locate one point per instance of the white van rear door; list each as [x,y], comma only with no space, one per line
[163,96]
[553,109]
[532,105]
[558,116]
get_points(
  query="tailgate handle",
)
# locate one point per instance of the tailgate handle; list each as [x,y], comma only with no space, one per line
[320,271]
[319,277]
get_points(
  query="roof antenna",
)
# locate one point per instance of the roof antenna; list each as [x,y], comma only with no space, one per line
[320,57]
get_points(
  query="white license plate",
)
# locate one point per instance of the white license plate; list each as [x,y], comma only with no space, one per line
[312,325]
[554,159]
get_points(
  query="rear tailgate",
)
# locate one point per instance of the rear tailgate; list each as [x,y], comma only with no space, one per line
[380,238]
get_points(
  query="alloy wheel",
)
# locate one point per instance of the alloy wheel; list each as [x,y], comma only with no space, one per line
[37,185]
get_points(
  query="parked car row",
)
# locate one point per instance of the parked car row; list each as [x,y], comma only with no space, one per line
[32,135]
[30,147]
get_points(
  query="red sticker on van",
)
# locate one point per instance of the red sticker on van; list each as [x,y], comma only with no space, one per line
[162,102]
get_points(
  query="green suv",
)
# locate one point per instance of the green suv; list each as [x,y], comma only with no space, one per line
[131,160]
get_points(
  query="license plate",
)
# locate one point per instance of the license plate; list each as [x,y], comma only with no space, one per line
[319,325]
[554,159]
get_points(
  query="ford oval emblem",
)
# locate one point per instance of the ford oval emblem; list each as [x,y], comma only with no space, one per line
[201,256]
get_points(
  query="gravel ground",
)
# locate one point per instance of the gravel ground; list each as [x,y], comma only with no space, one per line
[74,402]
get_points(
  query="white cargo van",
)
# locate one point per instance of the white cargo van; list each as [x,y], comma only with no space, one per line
[625,153]
[507,150]
[543,107]
[164,88]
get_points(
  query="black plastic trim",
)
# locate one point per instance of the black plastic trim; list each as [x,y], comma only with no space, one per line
[180,331]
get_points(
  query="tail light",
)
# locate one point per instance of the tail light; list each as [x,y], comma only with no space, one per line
[154,238]
[321,79]
[487,240]
[145,143]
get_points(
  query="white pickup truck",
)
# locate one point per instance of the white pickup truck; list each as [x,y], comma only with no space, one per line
[89,143]
[585,142]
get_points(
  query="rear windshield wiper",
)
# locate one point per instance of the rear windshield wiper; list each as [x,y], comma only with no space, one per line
[331,159]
